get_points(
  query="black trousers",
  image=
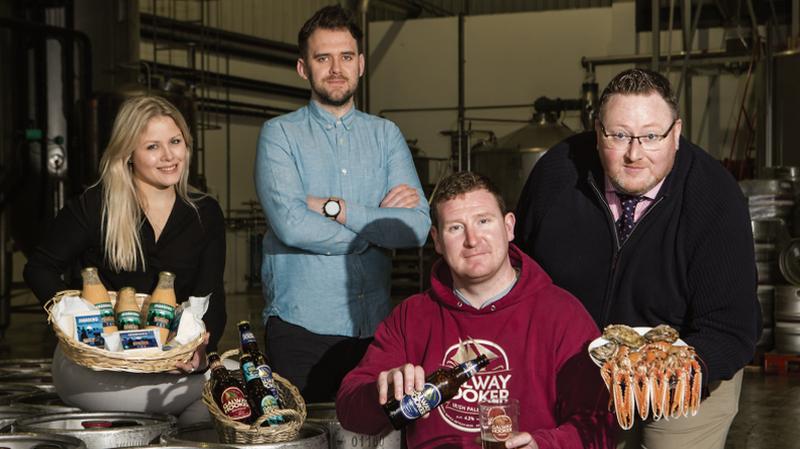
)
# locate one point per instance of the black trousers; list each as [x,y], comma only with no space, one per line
[314,363]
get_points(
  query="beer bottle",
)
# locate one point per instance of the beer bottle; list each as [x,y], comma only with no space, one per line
[161,309]
[261,400]
[440,386]
[228,391]
[94,292]
[126,310]
[250,346]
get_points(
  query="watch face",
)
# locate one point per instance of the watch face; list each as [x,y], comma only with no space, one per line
[332,208]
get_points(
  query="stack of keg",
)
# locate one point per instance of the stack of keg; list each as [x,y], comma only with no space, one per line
[771,203]
[776,226]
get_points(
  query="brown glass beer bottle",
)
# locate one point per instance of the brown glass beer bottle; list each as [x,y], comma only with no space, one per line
[94,292]
[228,392]
[161,309]
[126,310]
[249,346]
[440,386]
[261,400]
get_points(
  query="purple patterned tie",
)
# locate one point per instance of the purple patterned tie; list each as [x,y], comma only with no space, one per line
[626,222]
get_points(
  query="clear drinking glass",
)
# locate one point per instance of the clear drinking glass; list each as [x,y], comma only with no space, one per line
[499,420]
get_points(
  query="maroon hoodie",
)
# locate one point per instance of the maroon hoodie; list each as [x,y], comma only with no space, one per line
[539,333]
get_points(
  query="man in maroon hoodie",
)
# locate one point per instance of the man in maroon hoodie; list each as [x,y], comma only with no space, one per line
[487,291]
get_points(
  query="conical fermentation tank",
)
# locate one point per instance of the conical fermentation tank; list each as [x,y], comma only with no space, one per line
[509,160]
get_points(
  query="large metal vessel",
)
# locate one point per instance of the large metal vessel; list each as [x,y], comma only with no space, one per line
[101,430]
[325,414]
[509,160]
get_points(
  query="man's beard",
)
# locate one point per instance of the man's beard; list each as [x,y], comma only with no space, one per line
[326,99]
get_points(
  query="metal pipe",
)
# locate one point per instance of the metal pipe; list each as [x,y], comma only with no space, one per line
[234,82]
[163,29]
[363,7]
[795,39]
[707,57]
[688,38]
[461,89]
[455,108]
[656,28]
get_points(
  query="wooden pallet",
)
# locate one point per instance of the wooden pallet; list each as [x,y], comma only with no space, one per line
[781,363]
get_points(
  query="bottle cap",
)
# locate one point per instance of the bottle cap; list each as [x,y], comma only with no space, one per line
[243,322]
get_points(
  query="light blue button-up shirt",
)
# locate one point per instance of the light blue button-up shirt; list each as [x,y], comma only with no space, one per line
[329,278]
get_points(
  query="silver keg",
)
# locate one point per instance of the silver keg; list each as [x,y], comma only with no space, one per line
[325,414]
[12,392]
[26,365]
[787,337]
[787,303]
[311,436]
[47,402]
[787,319]
[11,413]
[39,441]
[766,299]
[101,430]
[39,379]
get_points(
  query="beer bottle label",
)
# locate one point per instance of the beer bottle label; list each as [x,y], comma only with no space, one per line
[106,313]
[248,337]
[268,403]
[249,371]
[234,404]
[160,315]
[416,404]
[129,320]
[469,368]
[265,373]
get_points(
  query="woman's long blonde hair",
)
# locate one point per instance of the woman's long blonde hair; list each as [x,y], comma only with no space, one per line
[122,203]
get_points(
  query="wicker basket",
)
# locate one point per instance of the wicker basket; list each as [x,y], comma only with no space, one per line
[100,359]
[230,431]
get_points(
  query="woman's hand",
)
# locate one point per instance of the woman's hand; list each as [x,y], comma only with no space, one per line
[198,360]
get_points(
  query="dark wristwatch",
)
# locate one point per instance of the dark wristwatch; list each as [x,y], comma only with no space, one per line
[332,208]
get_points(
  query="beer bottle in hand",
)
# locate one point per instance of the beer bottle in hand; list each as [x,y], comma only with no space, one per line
[126,310]
[261,400]
[440,386]
[161,309]
[250,346]
[94,292]
[228,392]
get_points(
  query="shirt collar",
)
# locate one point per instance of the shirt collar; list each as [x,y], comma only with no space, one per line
[650,194]
[327,119]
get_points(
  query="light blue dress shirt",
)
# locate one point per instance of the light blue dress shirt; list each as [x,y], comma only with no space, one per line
[329,278]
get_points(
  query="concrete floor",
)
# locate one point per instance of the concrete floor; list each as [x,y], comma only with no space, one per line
[769,408]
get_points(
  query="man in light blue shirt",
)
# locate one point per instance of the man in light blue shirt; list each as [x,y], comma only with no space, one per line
[339,191]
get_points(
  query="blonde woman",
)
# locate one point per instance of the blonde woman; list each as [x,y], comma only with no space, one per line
[139,219]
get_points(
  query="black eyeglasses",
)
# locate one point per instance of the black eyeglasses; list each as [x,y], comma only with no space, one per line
[649,142]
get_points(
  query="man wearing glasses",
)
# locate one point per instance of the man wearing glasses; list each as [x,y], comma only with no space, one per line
[646,228]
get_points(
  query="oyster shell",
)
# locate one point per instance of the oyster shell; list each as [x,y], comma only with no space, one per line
[624,335]
[605,352]
[662,332]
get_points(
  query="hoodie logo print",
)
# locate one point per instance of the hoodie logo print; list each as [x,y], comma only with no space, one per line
[492,382]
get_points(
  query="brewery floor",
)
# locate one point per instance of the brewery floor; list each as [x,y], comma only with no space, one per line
[768,409]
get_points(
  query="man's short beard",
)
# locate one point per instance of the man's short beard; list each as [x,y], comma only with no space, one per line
[327,100]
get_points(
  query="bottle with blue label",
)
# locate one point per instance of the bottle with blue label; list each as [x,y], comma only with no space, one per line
[249,346]
[440,386]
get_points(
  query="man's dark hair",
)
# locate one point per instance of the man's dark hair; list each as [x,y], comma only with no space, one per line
[459,184]
[640,82]
[332,17]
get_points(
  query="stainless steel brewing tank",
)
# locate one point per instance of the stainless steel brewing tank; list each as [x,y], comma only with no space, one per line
[325,414]
[509,160]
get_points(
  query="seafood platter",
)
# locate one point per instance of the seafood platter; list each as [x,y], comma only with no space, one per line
[649,370]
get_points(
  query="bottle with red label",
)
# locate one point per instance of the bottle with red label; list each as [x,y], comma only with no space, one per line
[229,392]
[440,386]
